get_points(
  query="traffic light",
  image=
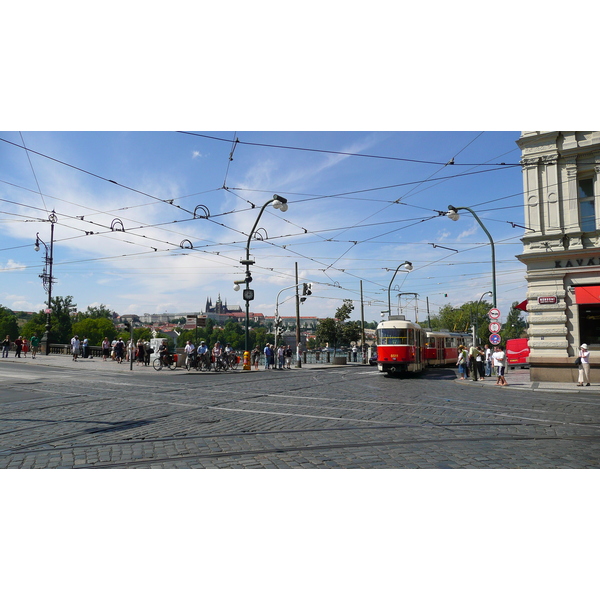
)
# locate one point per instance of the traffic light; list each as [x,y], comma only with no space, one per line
[127,326]
[306,289]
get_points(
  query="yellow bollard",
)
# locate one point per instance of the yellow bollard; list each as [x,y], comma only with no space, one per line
[246,360]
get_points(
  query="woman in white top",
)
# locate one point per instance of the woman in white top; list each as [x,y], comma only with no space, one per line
[499,359]
[584,365]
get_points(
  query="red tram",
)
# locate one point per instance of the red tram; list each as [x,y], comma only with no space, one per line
[441,347]
[404,347]
[400,346]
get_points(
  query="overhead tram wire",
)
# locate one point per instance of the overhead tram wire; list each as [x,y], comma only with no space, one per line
[34,175]
[337,152]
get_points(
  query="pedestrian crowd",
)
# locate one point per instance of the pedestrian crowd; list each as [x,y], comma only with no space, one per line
[478,363]
[279,357]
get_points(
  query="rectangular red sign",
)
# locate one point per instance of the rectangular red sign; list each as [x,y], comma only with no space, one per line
[589,294]
[547,300]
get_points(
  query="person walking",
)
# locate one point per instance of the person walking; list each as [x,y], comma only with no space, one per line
[288,353]
[488,361]
[75,345]
[5,346]
[106,347]
[268,352]
[84,347]
[35,345]
[461,362]
[25,347]
[499,359]
[584,366]
[473,354]
[255,356]
[18,346]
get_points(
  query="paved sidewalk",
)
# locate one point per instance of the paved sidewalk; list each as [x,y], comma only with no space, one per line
[518,379]
[97,364]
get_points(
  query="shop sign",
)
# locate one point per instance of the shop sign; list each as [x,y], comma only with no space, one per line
[547,300]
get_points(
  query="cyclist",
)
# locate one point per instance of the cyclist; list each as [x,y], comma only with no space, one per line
[190,353]
[163,351]
[204,354]
[229,355]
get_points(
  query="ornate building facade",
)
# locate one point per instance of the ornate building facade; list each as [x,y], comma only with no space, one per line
[561,249]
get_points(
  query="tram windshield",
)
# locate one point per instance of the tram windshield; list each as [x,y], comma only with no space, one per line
[395,337]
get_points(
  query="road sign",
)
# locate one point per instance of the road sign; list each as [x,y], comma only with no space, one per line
[494,313]
[495,339]
[495,327]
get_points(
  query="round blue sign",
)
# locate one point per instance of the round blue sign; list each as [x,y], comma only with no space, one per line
[495,339]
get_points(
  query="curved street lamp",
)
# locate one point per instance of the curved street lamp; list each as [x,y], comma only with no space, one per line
[409,267]
[454,216]
[248,294]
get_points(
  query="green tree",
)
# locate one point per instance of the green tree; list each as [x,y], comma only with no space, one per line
[95,330]
[60,321]
[97,312]
[8,323]
[515,326]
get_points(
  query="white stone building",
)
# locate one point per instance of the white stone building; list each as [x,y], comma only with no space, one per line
[561,249]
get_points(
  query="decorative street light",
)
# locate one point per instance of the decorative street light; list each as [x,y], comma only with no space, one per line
[248,294]
[453,214]
[47,278]
[409,268]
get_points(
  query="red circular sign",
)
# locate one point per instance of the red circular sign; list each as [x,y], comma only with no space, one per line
[494,313]
[494,327]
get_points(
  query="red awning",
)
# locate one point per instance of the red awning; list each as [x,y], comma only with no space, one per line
[589,294]
[522,306]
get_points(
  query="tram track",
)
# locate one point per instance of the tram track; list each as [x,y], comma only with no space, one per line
[325,448]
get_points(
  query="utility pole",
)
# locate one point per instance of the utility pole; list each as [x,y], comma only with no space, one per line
[298,355]
[362,325]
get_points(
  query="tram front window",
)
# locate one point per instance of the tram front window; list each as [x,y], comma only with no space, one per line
[392,337]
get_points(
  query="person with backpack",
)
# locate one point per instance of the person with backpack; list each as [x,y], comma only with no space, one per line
[461,361]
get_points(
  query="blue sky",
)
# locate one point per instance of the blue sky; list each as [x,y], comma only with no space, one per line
[351,218]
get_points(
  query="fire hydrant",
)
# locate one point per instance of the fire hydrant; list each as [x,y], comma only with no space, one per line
[246,360]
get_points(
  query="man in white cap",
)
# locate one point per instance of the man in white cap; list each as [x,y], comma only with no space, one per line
[584,366]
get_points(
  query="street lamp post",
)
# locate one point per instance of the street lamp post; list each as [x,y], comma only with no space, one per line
[248,294]
[409,268]
[477,315]
[454,216]
[46,276]
[277,311]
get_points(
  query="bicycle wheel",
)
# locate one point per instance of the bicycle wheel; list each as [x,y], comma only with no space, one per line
[188,363]
[172,365]
[233,362]
[157,364]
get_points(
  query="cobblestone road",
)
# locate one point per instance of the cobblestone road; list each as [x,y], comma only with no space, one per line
[347,417]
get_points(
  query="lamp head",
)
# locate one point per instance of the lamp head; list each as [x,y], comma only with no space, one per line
[280,202]
[407,265]
[452,213]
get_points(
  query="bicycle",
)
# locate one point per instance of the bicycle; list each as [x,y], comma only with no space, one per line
[221,363]
[203,362]
[164,361]
[232,361]
[191,361]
